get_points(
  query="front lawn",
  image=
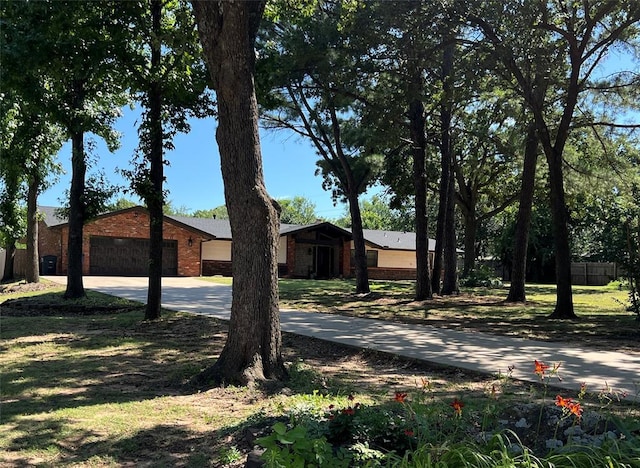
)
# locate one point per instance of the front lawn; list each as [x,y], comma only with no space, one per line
[90,384]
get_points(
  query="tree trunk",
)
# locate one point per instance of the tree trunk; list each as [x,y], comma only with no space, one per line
[359,247]
[521,238]
[450,281]
[155,196]
[417,121]
[9,261]
[560,216]
[438,259]
[253,348]
[33,260]
[470,234]
[75,287]
[450,254]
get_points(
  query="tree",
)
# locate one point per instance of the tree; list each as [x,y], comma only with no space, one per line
[297,210]
[582,33]
[84,89]
[489,144]
[312,93]
[169,79]
[121,204]
[379,215]
[253,349]
[219,212]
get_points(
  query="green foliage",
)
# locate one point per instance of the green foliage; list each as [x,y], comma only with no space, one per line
[120,204]
[219,212]
[484,276]
[378,214]
[293,448]
[297,210]
[230,455]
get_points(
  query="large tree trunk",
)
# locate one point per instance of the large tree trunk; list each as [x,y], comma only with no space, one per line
[155,198]
[75,286]
[359,246]
[523,223]
[560,216]
[417,121]
[253,348]
[32,273]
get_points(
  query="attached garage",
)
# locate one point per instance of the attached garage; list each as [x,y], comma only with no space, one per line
[118,256]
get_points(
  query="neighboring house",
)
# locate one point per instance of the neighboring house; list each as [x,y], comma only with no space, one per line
[117,243]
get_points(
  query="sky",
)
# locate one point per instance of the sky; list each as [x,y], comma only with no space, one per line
[194,178]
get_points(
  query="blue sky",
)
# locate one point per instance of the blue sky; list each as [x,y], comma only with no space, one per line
[194,179]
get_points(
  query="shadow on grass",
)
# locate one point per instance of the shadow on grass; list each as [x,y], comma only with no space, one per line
[66,361]
[159,445]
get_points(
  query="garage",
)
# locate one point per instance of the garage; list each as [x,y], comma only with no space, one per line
[114,256]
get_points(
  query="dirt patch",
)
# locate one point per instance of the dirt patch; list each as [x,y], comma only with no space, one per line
[22,287]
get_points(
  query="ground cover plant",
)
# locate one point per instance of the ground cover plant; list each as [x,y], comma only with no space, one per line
[95,385]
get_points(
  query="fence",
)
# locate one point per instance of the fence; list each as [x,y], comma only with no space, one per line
[593,274]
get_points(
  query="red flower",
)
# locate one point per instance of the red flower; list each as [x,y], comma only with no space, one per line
[457,406]
[350,398]
[349,411]
[540,368]
[408,432]
[331,407]
[400,397]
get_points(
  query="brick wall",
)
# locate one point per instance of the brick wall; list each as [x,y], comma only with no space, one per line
[50,243]
[223,268]
[389,273]
[135,224]
[216,267]
[291,254]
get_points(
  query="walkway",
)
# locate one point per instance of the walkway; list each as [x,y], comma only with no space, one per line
[474,351]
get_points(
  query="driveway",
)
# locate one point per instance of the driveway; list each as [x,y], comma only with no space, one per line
[474,351]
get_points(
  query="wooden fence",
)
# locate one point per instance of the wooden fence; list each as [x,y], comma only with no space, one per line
[593,274]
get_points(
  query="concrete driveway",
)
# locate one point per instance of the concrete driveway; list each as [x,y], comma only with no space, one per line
[474,351]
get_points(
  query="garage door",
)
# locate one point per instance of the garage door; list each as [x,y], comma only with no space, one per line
[112,256]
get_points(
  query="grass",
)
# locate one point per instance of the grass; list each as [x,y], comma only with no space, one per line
[90,384]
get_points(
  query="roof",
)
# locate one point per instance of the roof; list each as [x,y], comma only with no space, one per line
[394,240]
[221,229]
[50,217]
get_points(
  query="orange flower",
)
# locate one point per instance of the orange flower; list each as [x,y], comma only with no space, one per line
[400,397]
[457,406]
[575,409]
[563,402]
[540,368]
[408,432]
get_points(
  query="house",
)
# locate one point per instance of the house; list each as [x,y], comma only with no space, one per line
[117,243]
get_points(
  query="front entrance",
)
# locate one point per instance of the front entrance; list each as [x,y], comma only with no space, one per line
[113,256]
[324,262]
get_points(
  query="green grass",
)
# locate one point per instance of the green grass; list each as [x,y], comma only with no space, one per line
[90,383]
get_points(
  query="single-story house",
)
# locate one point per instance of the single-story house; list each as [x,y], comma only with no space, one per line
[117,243]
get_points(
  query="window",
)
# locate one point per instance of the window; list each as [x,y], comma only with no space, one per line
[372,258]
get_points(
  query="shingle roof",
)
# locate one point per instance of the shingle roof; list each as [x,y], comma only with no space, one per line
[221,229]
[394,240]
[49,216]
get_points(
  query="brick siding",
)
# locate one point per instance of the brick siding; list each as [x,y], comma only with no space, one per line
[134,224]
